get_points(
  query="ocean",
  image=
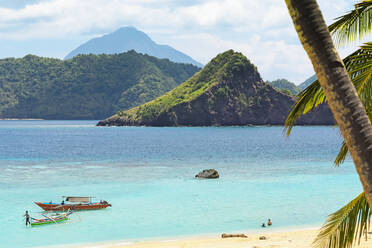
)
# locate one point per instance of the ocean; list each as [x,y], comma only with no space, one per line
[147,174]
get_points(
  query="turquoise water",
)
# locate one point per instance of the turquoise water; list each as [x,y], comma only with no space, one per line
[148,176]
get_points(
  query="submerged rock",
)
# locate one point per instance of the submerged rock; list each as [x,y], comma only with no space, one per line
[210,174]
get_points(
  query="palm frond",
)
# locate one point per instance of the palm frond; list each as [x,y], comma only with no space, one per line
[344,150]
[346,225]
[366,96]
[306,101]
[359,66]
[354,25]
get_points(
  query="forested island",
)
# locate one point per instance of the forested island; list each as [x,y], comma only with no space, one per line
[227,91]
[86,86]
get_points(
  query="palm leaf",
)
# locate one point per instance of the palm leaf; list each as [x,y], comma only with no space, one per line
[341,156]
[344,150]
[359,66]
[346,225]
[306,101]
[354,25]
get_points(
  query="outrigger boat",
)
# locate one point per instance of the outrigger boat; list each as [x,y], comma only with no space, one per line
[52,219]
[74,203]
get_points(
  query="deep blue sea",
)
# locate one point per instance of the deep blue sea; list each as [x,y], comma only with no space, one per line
[147,174]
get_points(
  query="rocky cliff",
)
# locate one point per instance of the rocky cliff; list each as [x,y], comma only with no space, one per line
[228,91]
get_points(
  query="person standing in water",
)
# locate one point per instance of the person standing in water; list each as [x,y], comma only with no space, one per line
[269,223]
[27,216]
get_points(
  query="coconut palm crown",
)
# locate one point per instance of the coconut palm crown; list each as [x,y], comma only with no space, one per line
[349,224]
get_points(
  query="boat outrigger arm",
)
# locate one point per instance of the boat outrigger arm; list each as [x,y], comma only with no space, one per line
[50,220]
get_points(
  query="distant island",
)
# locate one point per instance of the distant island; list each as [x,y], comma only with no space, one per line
[285,86]
[307,82]
[85,87]
[129,38]
[227,91]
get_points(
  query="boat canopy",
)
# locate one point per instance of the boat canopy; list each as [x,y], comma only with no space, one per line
[78,198]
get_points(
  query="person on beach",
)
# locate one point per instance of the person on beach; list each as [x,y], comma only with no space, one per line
[27,216]
[269,223]
[63,202]
[263,225]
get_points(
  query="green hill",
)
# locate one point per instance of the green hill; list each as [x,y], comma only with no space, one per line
[285,86]
[85,87]
[227,91]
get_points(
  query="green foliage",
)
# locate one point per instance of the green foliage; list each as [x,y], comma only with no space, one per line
[359,66]
[352,221]
[341,156]
[224,66]
[356,24]
[285,86]
[85,87]
[346,225]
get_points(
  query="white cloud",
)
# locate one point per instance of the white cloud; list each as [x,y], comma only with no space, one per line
[274,58]
[262,30]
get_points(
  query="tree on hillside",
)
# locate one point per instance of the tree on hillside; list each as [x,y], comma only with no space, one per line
[351,116]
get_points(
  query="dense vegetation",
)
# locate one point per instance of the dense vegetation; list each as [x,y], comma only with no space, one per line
[285,86]
[227,91]
[85,87]
[194,87]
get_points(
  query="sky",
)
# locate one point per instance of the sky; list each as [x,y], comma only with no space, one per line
[261,29]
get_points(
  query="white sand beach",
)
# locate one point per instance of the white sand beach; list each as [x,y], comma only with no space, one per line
[279,239]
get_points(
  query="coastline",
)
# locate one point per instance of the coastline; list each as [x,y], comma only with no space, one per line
[20,119]
[278,238]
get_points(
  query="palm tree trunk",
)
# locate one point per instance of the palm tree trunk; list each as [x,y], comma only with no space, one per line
[345,104]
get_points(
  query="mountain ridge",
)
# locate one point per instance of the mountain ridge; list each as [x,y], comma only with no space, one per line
[86,86]
[307,82]
[129,38]
[285,86]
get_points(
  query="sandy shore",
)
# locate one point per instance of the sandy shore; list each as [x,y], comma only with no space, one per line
[277,239]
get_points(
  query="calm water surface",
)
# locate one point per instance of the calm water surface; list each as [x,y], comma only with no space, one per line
[148,176]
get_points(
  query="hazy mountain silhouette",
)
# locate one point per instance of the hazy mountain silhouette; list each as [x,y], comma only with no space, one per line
[129,38]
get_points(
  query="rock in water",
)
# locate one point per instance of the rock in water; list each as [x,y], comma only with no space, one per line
[211,174]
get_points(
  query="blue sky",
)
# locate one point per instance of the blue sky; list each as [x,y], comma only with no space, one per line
[260,29]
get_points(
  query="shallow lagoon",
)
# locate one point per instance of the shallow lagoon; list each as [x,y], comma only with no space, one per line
[148,176]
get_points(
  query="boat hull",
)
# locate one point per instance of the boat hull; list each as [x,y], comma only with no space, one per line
[74,207]
[49,221]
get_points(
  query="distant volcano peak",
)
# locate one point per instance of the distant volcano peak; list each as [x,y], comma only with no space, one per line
[130,38]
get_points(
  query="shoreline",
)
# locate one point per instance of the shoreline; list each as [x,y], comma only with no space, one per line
[300,237]
[20,119]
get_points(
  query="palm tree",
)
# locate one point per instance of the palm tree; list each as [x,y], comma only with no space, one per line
[354,25]
[334,84]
